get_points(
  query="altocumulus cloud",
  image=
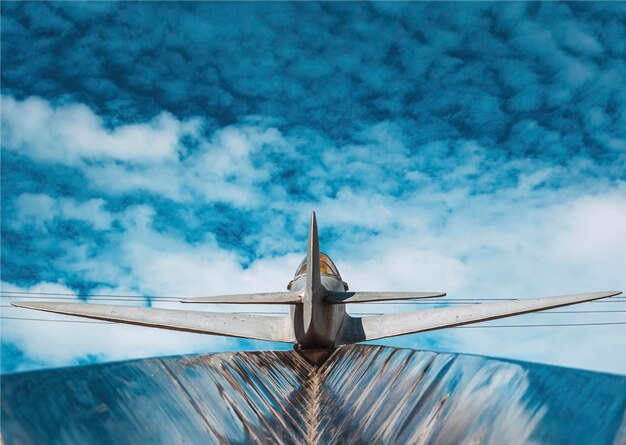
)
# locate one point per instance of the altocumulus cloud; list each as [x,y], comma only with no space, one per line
[474,148]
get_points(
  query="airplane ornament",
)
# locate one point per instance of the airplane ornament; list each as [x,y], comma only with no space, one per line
[317,318]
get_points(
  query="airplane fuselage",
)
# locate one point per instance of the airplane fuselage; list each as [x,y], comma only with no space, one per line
[317,323]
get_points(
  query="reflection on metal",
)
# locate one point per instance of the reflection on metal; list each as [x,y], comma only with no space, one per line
[361,394]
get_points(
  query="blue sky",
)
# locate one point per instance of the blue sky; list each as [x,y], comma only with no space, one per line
[179,148]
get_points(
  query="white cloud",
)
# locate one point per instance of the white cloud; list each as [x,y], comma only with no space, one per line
[73,133]
[224,169]
[39,209]
[162,265]
[162,179]
[149,156]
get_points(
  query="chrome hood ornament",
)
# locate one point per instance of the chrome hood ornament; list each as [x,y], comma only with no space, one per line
[317,318]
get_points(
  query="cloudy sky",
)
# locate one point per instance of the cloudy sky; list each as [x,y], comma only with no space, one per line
[177,149]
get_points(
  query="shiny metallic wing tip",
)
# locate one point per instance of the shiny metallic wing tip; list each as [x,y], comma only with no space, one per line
[260,327]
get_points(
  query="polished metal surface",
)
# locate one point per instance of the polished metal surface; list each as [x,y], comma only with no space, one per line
[361,394]
[262,298]
[272,328]
[389,325]
[366,297]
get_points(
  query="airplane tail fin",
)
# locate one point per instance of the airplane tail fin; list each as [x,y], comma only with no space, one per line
[313,274]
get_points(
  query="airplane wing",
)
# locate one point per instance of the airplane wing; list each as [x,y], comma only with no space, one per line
[265,298]
[364,297]
[234,325]
[389,325]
